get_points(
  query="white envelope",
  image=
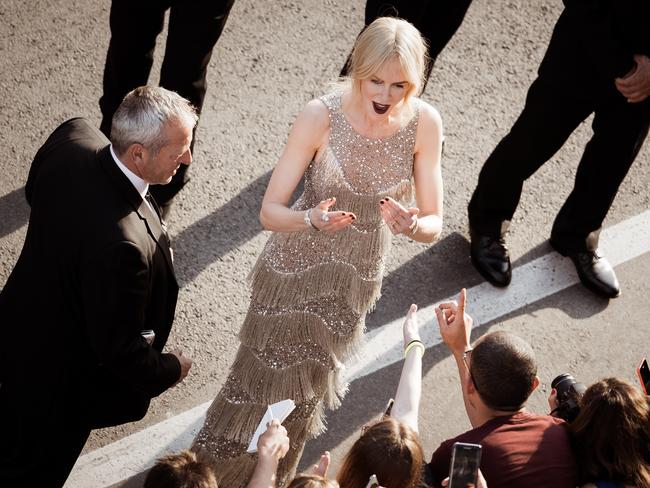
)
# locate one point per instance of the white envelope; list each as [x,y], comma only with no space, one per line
[280,410]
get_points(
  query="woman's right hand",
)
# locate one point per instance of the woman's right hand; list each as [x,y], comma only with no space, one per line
[327,221]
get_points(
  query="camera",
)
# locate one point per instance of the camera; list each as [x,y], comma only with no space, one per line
[569,392]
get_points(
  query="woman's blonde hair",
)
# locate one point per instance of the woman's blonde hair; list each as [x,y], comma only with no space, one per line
[390,450]
[384,39]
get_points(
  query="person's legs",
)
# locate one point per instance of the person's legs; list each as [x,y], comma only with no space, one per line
[438,24]
[40,437]
[134,28]
[194,28]
[620,129]
[548,118]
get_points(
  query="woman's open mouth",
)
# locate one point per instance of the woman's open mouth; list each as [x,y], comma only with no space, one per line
[380,108]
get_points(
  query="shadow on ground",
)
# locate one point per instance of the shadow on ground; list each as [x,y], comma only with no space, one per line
[14,211]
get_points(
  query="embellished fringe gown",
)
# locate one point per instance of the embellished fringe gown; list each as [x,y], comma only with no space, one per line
[310,294]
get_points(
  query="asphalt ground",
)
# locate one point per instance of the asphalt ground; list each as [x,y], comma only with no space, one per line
[272,58]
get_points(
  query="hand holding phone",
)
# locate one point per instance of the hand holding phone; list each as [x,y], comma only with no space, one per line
[465,461]
[644,375]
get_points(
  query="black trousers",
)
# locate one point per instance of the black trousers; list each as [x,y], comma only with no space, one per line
[565,93]
[437,21]
[194,28]
[41,435]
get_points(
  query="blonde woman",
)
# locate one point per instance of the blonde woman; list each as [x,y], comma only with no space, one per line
[362,151]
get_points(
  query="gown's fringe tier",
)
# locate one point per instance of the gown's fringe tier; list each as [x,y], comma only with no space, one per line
[279,290]
[260,328]
[300,382]
[321,174]
[292,253]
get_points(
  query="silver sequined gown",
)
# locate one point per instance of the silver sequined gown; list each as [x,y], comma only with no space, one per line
[310,295]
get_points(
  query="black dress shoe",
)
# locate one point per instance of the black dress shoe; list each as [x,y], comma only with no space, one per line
[596,273]
[491,259]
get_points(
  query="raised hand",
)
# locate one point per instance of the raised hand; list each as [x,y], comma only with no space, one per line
[455,325]
[327,221]
[411,328]
[400,220]
[274,443]
[323,465]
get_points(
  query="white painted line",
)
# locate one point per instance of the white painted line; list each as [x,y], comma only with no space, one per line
[383,346]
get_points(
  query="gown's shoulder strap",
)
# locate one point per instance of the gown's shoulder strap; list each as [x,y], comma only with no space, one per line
[332,101]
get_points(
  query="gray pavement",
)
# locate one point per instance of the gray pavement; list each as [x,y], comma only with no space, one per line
[272,58]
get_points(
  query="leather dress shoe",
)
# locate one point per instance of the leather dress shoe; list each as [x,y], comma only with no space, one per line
[596,273]
[491,259]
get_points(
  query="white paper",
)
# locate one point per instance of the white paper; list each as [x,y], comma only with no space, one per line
[280,411]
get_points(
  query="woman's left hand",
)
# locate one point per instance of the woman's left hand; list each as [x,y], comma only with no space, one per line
[411,327]
[399,220]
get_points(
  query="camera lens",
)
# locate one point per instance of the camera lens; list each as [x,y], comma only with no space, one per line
[569,392]
[562,385]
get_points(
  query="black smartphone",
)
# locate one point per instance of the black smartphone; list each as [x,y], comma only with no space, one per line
[644,376]
[465,461]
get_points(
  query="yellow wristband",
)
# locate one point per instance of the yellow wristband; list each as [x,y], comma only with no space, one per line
[417,344]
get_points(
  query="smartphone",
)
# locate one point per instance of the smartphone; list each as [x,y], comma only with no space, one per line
[148,335]
[465,461]
[644,375]
[372,482]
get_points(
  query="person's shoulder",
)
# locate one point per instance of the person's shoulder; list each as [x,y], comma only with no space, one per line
[313,120]
[428,114]
[544,419]
[315,113]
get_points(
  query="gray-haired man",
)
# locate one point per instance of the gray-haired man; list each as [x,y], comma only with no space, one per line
[89,305]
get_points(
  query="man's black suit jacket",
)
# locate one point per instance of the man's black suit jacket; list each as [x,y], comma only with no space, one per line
[95,271]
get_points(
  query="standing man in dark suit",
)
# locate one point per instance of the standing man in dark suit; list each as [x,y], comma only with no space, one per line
[94,280]
[597,62]
[194,28]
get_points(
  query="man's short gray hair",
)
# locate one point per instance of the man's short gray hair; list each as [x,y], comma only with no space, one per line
[142,115]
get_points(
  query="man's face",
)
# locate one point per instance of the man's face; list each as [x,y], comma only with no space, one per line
[159,168]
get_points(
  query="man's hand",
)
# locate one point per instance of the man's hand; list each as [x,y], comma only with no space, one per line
[186,364]
[635,86]
[323,465]
[455,325]
[274,443]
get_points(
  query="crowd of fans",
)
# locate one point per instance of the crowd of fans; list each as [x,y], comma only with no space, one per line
[607,444]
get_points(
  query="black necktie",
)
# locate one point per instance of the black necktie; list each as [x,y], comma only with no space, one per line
[163,226]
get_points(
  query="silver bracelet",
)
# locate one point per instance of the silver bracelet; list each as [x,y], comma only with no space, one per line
[307,218]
